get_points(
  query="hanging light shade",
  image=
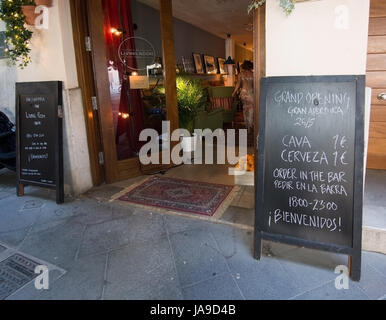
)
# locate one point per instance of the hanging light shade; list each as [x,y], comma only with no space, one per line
[229,66]
[229,61]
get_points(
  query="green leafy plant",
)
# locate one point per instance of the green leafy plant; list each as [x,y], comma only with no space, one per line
[287,5]
[17,36]
[191,97]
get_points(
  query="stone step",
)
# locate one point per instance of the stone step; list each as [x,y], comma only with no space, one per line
[374,239]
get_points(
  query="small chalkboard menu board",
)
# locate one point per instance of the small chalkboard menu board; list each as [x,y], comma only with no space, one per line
[39,126]
[310,164]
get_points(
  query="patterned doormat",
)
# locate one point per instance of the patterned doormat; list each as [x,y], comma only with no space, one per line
[175,195]
[15,273]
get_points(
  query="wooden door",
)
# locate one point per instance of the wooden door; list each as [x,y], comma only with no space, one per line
[116,167]
[376,79]
[115,170]
[86,83]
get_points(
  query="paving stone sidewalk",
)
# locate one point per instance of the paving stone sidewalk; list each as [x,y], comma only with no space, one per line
[104,250]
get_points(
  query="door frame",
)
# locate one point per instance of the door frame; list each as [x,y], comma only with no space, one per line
[114,170]
[86,83]
[94,82]
[259,56]
[375,80]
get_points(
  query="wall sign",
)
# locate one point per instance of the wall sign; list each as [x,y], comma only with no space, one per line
[139,82]
[39,118]
[310,172]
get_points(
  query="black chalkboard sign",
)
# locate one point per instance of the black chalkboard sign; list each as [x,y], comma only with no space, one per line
[310,164]
[39,118]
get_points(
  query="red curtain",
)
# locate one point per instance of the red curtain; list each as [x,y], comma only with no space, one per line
[118,15]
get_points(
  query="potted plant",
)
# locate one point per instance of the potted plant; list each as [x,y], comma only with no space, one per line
[17,36]
[29,7]
[287,5]
[191,97]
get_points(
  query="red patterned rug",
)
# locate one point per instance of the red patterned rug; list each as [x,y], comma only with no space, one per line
[180,195]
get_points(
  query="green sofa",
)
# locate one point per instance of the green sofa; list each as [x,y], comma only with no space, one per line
[215,119]
[224,93]
[209,119]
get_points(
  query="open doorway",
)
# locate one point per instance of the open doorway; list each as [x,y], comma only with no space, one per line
[187,63]
[207,36]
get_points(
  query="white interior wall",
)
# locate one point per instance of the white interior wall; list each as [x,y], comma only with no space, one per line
[324,37]
[53,59]
[52,50]
[7,86]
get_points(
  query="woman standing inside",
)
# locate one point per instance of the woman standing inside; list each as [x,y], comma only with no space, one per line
[245,90]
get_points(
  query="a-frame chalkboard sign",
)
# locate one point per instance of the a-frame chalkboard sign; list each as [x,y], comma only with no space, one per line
[310,164]
[39,125]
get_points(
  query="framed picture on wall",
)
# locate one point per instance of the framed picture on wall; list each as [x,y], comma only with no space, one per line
[221,65]
[188,65]
[199,67]
[210,65]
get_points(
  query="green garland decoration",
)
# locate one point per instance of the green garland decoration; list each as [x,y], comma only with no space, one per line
[287,5]
[17,37]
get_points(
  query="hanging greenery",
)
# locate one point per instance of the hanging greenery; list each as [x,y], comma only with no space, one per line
[17,37]
[287,5]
